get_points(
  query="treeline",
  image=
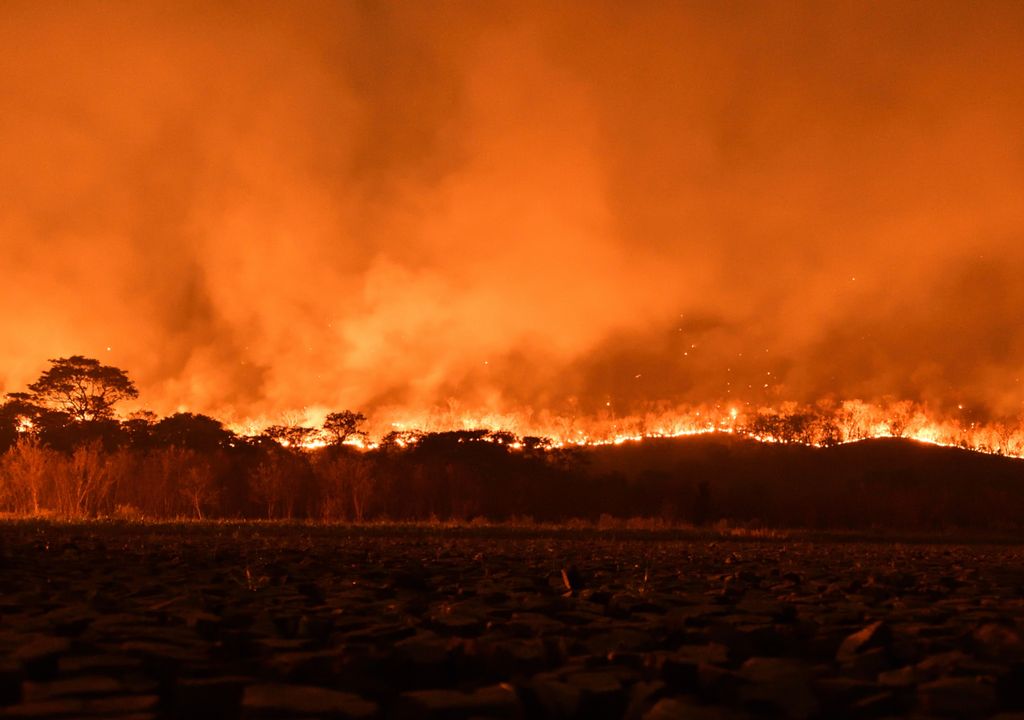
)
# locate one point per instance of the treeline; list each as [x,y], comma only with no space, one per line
[64,453]
[189,465]
[467,475]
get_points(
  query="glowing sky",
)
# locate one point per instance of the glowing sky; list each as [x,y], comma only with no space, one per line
[260,207]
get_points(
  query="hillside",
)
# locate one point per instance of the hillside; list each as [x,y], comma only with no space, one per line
[882,481]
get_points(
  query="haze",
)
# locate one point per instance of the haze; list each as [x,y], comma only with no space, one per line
[516,207]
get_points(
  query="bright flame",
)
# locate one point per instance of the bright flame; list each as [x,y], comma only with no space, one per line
[850,421]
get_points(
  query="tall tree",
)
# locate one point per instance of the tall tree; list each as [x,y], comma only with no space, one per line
[343,425]
[83,388]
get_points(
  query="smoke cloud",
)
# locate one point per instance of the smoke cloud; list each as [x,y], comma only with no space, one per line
[516,207]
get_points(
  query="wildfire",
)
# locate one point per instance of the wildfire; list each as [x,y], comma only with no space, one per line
[846,422]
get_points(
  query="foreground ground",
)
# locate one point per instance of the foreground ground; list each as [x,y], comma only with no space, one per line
[219,620]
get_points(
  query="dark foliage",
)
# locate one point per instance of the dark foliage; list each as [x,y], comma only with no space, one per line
[61,451]
[344,425]
[82,387]
[189,465]
[188,430]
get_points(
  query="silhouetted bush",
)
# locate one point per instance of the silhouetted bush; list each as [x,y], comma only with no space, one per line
[809,471]
[468,475]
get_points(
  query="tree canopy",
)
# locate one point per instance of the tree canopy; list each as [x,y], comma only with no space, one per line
[343,425]
[192,431]
[82,387]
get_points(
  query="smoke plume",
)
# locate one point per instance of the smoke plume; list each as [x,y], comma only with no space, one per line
[516,207]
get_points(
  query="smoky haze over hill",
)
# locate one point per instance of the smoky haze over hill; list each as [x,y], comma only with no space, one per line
[259,206]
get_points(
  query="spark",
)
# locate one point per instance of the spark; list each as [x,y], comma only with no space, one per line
[782,423]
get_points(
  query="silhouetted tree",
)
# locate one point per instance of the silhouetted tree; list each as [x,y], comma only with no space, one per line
[399,439]
[347,483]
[828,433]
[343,425]
[1008,438]
[291,436]
[191,431]
[53,428]
[196,479]
[900,416]
[19,414]
[798,427]
[82,388]
[139,427]
[13,412]
[25,469]
[790,427]
[533,445]
[764,426]
[282,482]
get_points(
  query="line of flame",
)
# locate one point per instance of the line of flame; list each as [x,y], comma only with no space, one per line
[851,421]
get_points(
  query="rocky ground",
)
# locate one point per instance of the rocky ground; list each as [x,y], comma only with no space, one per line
[225,621]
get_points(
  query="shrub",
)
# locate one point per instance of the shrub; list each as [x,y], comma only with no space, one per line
[25,471]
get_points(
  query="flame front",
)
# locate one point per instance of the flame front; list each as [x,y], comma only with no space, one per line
[680,214]
[846,422]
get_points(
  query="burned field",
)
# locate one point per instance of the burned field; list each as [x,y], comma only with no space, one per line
[243,620]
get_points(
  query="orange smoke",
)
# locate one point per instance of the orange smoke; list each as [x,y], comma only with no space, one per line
[595,211]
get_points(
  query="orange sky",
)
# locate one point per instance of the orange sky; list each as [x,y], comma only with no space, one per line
[260,207]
